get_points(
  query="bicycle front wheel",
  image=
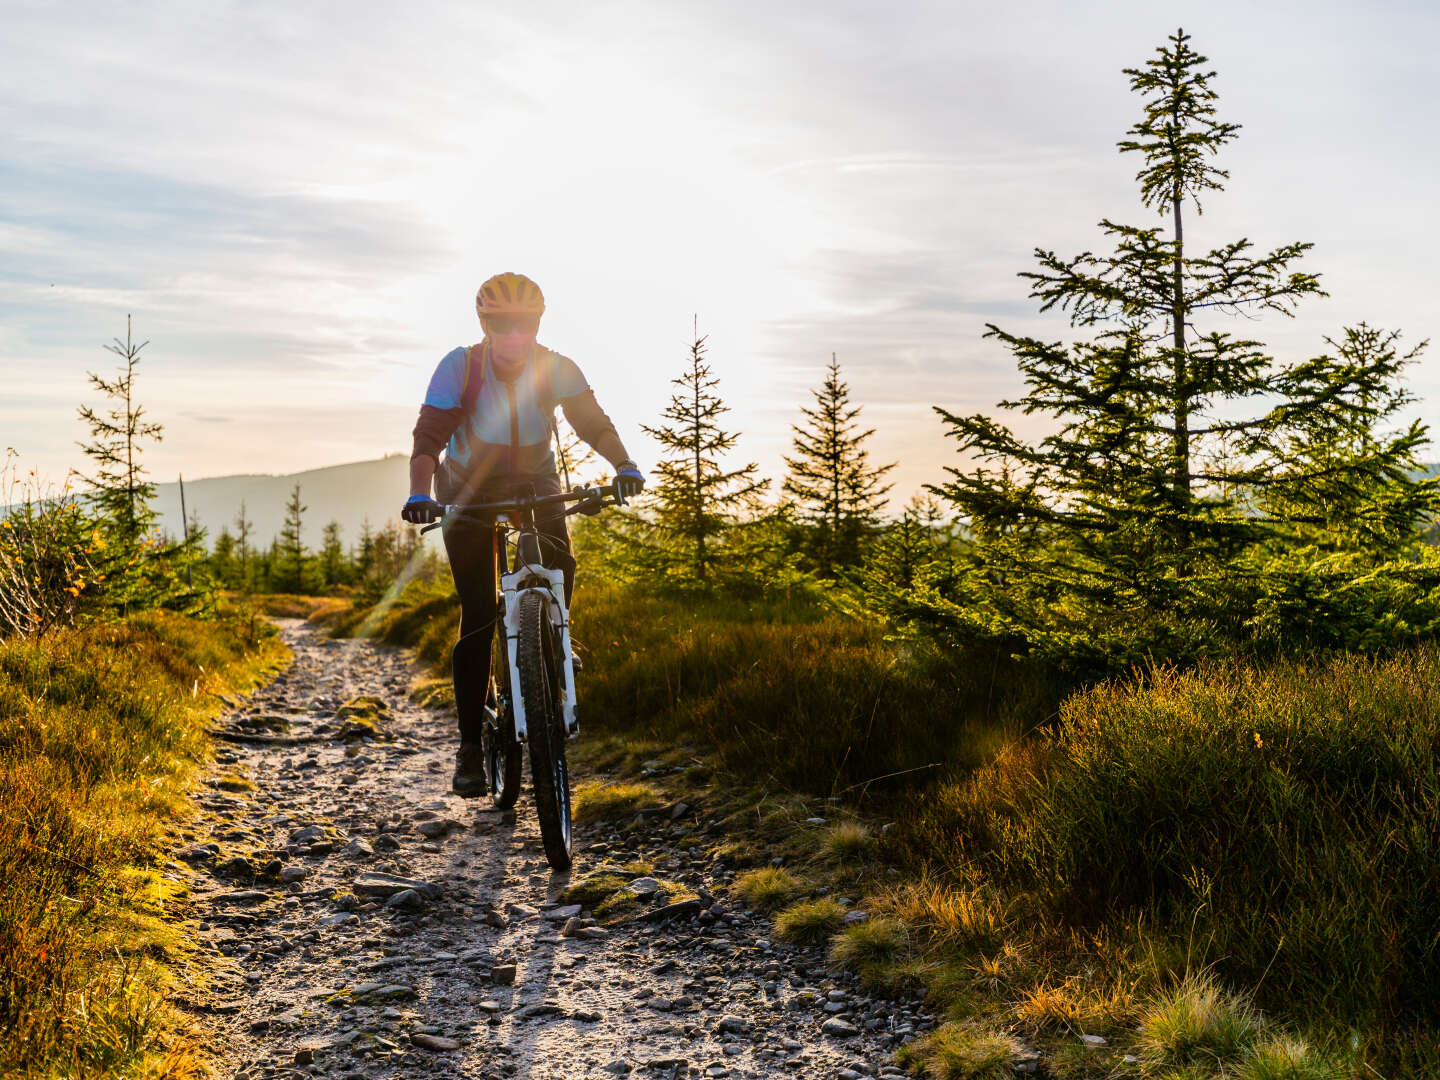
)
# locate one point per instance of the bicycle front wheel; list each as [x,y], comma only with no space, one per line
[539,664]
[504,759]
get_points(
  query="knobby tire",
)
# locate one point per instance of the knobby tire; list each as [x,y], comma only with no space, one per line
[539,664]
[504,758]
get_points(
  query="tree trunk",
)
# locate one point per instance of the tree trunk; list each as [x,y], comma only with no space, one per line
[1182,391]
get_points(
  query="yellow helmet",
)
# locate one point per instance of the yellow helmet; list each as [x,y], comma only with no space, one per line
[509,294]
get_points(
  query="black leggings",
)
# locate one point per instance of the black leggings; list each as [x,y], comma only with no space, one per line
[471,547]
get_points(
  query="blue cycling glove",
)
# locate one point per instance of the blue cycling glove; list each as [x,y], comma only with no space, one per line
[629,480]
[422,510]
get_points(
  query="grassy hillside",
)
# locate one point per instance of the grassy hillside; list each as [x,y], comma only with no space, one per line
[100,731]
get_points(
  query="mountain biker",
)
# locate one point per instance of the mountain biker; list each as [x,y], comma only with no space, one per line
[491,407]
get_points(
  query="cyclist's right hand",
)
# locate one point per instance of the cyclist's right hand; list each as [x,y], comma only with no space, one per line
[422,510]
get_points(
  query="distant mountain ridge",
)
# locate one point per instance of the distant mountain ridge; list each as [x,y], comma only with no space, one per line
[351,494]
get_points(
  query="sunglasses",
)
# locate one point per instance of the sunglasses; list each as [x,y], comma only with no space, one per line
[506,324]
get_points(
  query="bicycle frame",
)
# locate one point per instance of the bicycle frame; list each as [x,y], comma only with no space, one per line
[530,576]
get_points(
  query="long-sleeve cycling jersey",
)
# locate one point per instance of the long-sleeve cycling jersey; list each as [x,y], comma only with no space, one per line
[505,436]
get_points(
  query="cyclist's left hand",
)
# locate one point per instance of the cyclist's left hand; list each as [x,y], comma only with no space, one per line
[629,480]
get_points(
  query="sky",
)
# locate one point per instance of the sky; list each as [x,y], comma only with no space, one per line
[295,202]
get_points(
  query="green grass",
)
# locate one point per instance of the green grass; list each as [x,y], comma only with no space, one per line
[723,673]
[810,922]
[850,842]
[768,889]
[1281,820]
[962,1052]
[596,800]
[100,733]
[1197,1023]
[872,949]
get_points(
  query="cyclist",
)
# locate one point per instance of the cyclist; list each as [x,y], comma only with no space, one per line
[491,407]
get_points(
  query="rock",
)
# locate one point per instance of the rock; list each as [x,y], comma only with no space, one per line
[679,810]
[587,1016]
[643,887]
[239,866]
[560,914]
[503,974]
[619,1067]
[733,1025]
[541,1008]
[310,834]
[358,849]
[519,912]
[435,829]
[340,918]
[679,910]
[293,873]
[244,896]
[592,933]
[406,900]
[839,1029]
[1094,1040]
[374,883]
[374,992]
[433,1042]
[571,928]
[814,821]
[387,843]
[305,1056]
[852,917]
[200,853]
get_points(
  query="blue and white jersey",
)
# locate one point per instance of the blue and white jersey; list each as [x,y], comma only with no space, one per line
[506,433]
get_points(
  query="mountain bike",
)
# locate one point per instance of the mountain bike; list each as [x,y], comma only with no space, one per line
[532,700]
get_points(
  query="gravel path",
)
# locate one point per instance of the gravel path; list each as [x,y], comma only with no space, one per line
[370,924]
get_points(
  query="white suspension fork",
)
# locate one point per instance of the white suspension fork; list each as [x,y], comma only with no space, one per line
[550,587]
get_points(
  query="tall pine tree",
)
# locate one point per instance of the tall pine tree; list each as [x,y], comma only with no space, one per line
[830,476]
[697,499]
[1182,455]
[119,489]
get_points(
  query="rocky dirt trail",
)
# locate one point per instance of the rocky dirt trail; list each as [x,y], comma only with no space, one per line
[367,923]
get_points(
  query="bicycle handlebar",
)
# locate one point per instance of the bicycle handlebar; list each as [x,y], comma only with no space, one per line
[596,495]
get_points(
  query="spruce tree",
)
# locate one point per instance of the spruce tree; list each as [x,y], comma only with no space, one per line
[1181,453]
[697,499]
[244,529]
[830,476]
[332,554]
[291,570]
[119,489]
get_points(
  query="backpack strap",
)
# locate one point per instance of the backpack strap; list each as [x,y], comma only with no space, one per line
[475,372]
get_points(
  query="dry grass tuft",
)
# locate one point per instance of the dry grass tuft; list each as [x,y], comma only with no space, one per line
[956,916]
[810,922]
[963,1052]
[768,889]
[1198,1023]
[850,842]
